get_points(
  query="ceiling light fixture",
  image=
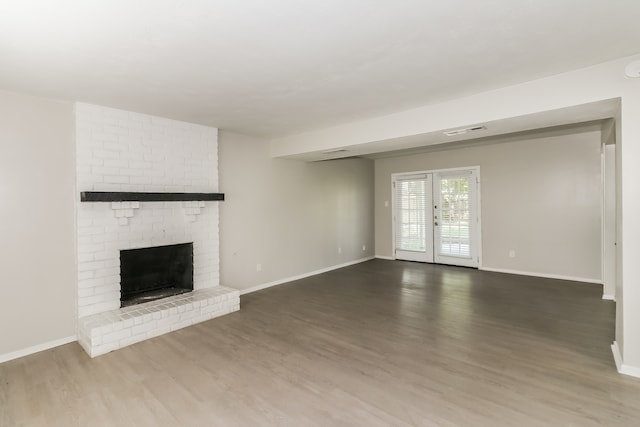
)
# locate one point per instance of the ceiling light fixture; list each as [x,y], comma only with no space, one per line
[337,150]
[633,70]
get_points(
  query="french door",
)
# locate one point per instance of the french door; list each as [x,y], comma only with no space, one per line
[436,217]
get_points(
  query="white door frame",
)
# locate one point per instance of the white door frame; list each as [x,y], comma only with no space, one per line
[477,236]
[608,222]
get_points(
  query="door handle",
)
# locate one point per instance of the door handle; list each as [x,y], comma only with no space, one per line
[435,223]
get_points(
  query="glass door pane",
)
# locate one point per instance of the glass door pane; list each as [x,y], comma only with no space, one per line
[413,218]
[455,237]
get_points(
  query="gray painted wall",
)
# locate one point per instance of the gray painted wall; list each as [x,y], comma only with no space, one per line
[289,216]
[37,250]
[540,197]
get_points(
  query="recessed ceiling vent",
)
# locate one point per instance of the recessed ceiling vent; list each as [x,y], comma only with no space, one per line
[464,130]
[337,150]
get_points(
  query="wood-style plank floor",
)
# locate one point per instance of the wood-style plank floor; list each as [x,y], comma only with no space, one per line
[382,343]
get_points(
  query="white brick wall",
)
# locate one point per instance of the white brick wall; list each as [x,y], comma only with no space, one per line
[124,151]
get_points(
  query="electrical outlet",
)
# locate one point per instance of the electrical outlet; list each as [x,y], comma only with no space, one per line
[339,250]
[386,203]
[512,253]
[258,267]
[364,247]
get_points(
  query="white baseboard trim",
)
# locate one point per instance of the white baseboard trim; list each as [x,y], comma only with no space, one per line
[622,368]
[545,276]
[390,258]
[302,276]
[36,348]
[608,297]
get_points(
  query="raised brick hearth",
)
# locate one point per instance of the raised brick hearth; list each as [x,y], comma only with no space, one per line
[101,333]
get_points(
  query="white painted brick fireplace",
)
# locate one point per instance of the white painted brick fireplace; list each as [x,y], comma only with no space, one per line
[118,150]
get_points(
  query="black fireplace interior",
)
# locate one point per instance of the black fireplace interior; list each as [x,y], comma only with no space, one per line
[148,274]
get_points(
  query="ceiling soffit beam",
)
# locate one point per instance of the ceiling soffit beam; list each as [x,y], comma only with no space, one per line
[591,92]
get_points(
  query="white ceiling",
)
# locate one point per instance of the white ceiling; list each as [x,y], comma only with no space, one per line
[274,68]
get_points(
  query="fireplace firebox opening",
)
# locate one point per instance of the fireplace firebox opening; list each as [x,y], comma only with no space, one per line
[148,274]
